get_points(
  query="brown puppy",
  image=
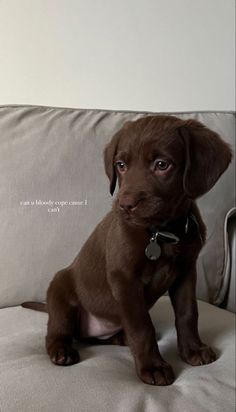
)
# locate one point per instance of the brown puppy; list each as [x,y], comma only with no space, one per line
[146,245]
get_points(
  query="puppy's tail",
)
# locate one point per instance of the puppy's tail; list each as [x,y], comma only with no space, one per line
[39,306]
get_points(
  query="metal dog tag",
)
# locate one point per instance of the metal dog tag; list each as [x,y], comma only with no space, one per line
[153,250]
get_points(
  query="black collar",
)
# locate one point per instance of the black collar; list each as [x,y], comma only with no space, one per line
[173,233]
[176,230]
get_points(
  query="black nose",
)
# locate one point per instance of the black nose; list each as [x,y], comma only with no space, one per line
[127,203]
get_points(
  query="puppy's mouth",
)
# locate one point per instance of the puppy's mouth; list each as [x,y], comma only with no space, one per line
[144,212]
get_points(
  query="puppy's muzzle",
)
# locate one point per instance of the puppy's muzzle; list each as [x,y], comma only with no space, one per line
[128,204]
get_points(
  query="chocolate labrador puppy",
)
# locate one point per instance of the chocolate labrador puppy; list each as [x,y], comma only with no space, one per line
[146,245]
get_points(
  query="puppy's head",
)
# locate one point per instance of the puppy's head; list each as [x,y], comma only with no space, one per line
[161,164]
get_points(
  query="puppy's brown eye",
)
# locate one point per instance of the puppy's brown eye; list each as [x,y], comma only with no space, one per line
[160,164]
[121,166]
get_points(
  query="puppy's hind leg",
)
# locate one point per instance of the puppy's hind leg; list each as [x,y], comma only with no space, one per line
[62,323]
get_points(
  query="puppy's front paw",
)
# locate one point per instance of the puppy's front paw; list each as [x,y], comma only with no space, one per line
[200,356]
[157,375]
[64,355]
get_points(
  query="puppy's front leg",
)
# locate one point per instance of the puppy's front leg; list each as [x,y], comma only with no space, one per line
[182,294]
[139,330]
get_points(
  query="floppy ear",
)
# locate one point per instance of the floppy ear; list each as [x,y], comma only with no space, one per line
[207,157]
[109,155]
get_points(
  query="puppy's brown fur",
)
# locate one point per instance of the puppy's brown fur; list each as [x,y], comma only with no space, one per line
[162,165]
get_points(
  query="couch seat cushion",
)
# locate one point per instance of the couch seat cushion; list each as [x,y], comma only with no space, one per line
[105,380]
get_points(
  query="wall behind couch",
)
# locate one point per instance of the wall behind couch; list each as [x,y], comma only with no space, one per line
[160,55]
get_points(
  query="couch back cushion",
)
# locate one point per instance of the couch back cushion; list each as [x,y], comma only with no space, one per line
[53,192]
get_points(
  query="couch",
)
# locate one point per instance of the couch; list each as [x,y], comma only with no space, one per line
[53,191]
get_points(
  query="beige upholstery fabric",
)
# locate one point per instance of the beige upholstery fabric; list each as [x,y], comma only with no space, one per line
[55,154]
[105,380]
[50,154]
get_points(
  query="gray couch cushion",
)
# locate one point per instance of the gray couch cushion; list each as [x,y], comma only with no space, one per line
[55,154]
[105,380]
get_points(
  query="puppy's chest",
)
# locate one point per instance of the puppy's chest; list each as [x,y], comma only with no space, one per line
[160,273]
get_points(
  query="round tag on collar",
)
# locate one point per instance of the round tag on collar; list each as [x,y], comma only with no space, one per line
[153,250]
